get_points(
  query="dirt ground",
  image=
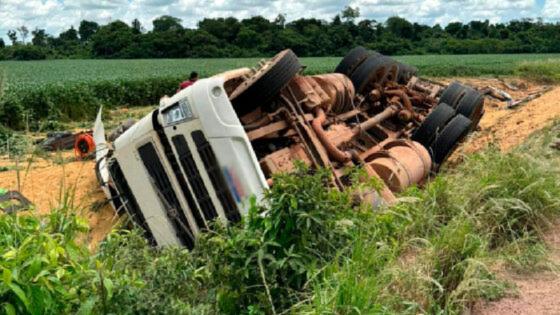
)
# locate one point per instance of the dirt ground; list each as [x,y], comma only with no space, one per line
[507,128]
[49,184]
[537,293]
[45,181]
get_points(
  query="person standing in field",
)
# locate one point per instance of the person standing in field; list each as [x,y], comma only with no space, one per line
[192,79]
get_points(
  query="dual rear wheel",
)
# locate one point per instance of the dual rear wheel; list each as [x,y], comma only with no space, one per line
[459,111]
[366,68]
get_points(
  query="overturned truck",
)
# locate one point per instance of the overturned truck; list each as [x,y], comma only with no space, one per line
[205,151]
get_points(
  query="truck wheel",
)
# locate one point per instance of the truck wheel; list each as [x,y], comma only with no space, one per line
[433,123]
[392,67]
[370,71]
[265,83]
[406,72]
[471,105]
[352,60]
[449,138]
[452,93]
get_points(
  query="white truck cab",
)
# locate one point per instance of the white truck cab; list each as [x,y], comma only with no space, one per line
[187,163]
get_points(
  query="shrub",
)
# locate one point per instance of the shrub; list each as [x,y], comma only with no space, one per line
[28,52]
[44,270]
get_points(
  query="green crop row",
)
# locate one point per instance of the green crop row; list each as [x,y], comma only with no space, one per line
[21,107]
[38,92]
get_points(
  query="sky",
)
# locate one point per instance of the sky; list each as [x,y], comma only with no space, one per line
[58,15]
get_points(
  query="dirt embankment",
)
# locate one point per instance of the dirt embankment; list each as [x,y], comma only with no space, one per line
[507,128]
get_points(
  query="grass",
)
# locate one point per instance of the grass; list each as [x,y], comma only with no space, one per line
[544,71]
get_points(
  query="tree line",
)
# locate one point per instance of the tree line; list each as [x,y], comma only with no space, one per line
[258,36]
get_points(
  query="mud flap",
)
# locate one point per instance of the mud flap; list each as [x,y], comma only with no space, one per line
[101,167]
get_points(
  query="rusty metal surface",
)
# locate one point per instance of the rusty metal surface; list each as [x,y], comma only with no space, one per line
[321,121]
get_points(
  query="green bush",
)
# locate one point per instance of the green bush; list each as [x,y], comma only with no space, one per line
[44,270]
[28,52]
[261,265]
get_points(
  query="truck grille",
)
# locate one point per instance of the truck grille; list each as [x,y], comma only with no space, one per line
[129,201]
[177,171]
[194,178]
[216,177]
[166,193]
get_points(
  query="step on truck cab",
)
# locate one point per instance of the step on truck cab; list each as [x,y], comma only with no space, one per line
[207,150]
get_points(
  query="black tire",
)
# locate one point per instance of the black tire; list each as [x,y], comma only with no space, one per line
[406,72]
[370,71]
[433,123]
[266,84]
[352,60]
[449,138]
[452,94]
[471,105]
[392,67]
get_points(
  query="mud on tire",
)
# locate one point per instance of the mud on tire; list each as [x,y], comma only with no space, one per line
[372,70]
[471,105]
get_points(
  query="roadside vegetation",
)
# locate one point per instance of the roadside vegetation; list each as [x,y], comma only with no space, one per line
[316,250]
[543,71]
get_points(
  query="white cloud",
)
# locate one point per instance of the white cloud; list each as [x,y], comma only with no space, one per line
[551,9]
[57,15]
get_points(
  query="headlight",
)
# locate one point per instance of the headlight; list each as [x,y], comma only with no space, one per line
[178,112]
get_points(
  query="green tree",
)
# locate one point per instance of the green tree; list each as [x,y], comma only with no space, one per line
[280,20]
[87,29]
[137,26]
[167,23]
[350,14]
[222,28]
[23,33]
[456,29]
[39,37]
[70,35]
[112,39]
[400,27]
[12,35]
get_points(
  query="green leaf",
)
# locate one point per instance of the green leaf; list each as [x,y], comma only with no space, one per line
[20,294]
[7,276]
[9,309]
[87,307]
[108,284]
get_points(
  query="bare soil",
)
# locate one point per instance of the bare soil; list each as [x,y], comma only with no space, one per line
[506,128]
[48,184]
[537,293]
